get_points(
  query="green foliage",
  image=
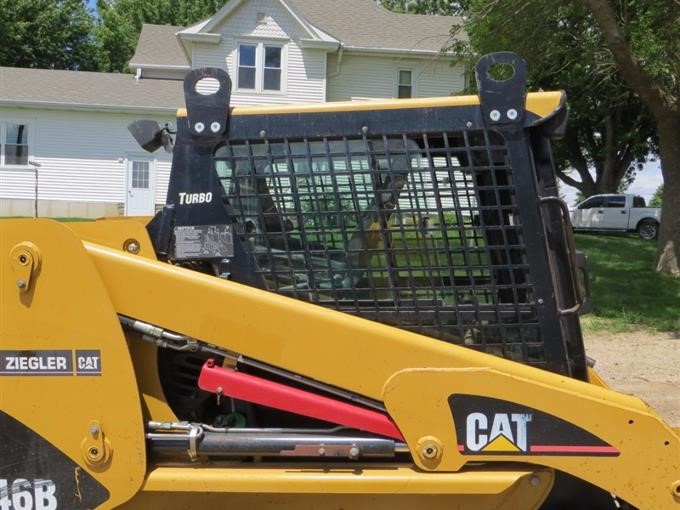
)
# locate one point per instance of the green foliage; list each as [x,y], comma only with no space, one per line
[609,129]
[50,34]
[121,22]
[656,200]
[422,6]
[627,293]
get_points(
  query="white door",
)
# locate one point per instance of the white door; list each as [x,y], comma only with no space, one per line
[615,213]
[140,200]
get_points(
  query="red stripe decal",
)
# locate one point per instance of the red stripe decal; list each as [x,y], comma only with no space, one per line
[279,396]
[572,449]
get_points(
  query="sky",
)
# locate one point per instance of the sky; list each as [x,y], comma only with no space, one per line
[645,184]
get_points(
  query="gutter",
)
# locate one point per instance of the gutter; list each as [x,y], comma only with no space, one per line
[54,105]
[400,51]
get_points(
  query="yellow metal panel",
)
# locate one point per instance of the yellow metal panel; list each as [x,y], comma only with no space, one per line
[66,307]
[117,233]
[520,498]
[374,479]
[649,461]
[360,355]
[330,346]
[540,103]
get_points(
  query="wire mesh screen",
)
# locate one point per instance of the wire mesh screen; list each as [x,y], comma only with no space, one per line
[419,232]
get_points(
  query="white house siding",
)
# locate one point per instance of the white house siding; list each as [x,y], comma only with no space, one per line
[364,76]
[304,70]
[83,157]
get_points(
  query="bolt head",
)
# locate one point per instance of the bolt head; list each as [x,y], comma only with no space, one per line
[322,451]
[199,127]
[512,114]
[132,246]
[534,481]
[354,452]
[263,134]
[93,452]
[495,115]
[429,450]
[364,129]
[21,284]
[94,429]
[468,124]
[215,127]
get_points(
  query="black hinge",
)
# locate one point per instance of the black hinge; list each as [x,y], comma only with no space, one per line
[207,111]
[502,101]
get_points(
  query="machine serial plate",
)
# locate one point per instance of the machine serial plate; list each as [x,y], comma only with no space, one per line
[204,242]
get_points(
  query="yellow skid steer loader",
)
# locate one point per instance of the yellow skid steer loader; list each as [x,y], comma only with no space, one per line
[343,305]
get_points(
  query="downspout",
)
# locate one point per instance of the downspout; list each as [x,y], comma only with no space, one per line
[338,63]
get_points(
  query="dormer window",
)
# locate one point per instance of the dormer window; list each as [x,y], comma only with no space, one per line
[260,67]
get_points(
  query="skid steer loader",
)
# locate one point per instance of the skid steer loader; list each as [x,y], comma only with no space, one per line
[343,305]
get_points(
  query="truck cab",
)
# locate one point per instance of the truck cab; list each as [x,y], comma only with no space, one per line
[620,212]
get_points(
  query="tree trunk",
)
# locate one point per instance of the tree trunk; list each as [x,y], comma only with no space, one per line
[667,116]
[669,234]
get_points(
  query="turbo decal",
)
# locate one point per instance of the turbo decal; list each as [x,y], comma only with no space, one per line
[489,426]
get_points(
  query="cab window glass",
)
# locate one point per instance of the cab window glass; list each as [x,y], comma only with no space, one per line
[617,201]
[592,202]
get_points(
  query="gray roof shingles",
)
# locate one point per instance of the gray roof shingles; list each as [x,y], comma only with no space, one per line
[364,24]
[158,45]
[95,90]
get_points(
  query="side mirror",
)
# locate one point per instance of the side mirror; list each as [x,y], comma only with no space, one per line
[150,135]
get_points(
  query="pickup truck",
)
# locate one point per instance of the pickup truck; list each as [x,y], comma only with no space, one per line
[622,213]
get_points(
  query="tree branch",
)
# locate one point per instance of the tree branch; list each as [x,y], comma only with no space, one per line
[628,63]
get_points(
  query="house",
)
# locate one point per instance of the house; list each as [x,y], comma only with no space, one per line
[73,124]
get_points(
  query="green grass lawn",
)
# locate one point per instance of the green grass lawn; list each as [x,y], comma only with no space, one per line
[628,293]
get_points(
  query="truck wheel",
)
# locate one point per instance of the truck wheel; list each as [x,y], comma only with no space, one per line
[648,230]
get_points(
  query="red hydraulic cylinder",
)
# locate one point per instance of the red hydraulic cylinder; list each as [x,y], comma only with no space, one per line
[260,391]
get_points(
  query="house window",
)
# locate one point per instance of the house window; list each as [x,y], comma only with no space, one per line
[272,68]
[140,175]
[260,67]
[247,54]
[14,143]
[405,83]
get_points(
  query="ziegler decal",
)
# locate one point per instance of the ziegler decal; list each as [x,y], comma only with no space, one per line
[195,198]
[489,426]
[46,363]
[22,494]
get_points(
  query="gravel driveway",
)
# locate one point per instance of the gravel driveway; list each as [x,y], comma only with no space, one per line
[643,364]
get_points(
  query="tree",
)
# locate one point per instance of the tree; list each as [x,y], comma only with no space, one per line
[49,34]
[657,198]
[121,22]
[610,130]
[422,6]
[645,45]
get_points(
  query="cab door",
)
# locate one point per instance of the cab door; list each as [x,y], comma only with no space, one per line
[615,216]
[589,214]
